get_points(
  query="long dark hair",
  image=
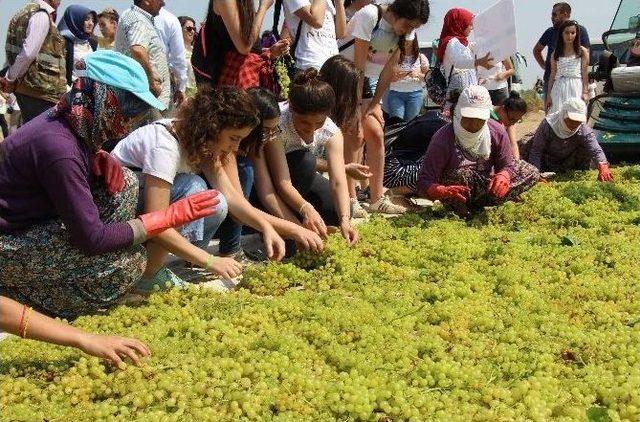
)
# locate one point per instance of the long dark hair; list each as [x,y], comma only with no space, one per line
[415,48]
[515,103]
[246,13]
[559,51]
[342,75]
[267,104]
[309,94]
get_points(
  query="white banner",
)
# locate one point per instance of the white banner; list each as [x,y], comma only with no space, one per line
[494,31]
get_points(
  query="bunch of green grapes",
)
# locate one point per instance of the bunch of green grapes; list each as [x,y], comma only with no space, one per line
[530,311]
[283,78]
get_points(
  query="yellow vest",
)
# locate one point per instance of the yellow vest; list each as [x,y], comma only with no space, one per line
[46,76]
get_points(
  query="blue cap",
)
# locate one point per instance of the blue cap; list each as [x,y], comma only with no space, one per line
[117,70]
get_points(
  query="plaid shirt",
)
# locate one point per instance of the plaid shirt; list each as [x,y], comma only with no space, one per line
[246,71]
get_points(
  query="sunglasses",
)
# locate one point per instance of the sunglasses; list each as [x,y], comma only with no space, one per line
[190,28]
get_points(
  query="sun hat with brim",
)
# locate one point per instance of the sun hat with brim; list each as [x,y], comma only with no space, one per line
[117,70]
[576,110]
[475,102]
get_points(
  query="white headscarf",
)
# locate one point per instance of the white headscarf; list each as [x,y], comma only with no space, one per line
[478,144]
[575,109]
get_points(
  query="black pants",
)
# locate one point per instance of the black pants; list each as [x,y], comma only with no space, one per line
[313,187]
[31,107]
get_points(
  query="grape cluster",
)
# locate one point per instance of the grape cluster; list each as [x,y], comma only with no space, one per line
[283,78]
[527,311]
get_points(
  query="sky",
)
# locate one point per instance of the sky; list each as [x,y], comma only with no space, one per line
[532,18]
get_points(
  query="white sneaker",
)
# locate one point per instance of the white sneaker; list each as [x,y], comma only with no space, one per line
[385,206]
[356,209]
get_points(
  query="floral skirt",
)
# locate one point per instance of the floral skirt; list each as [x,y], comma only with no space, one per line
[523,178]
[41,268]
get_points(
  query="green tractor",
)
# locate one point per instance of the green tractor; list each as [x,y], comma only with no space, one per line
[615,113]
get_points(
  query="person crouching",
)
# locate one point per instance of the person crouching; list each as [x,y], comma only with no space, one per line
[469,163]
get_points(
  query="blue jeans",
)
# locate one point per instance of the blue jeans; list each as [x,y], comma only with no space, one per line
[199,232]
[405,105]
[230,232]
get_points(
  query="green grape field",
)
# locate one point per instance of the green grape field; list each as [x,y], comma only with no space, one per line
[526,312]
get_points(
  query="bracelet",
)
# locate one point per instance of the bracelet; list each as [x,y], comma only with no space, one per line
[209,263]
[302,207]
[26,324]
[24,309]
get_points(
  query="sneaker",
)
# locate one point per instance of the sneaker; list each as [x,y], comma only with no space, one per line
[242,258]
[356,209]
[164,279]
[256,255]
[385,206]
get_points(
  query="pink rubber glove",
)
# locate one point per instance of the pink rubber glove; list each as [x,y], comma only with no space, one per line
[604,174]
[105,166]
[186,210]
[499,185]
[440,192]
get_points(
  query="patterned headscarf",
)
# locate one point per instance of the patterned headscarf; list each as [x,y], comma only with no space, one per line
[97,112]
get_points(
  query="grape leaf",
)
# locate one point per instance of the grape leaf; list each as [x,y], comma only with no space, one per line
[598,414]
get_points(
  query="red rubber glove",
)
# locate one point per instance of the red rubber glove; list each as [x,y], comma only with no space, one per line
[105,166]
[186,210]
[604,174]
[499,185]
[457,192]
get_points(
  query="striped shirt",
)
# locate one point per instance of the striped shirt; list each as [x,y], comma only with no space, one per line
[136,27]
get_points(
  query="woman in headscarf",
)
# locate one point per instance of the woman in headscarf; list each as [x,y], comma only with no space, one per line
[563,142]
[469,163]
[67,209]
[457,60]
[76,26]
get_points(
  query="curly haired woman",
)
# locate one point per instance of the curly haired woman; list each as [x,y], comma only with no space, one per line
[171,156]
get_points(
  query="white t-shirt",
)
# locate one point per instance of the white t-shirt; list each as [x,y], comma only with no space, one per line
[315,46]
[409,83]
[487,77]
[154,150]
[382,42]
[293,142]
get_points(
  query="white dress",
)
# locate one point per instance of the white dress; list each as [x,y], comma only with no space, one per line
[568,82]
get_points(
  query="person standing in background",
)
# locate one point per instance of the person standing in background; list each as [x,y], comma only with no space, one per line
[315,27]
[108,21]
[36,57]
[138,38]
[188,25]
[560,13]
[405,98]
[76,26]
[496,80]
[569,77]
[170,31]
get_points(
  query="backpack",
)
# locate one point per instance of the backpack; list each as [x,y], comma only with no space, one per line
[210,46]
[436,85]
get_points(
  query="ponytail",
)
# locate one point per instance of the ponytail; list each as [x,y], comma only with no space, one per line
[515,103]
[308,94]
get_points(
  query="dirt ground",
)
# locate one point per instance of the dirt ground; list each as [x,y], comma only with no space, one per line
[530,123]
